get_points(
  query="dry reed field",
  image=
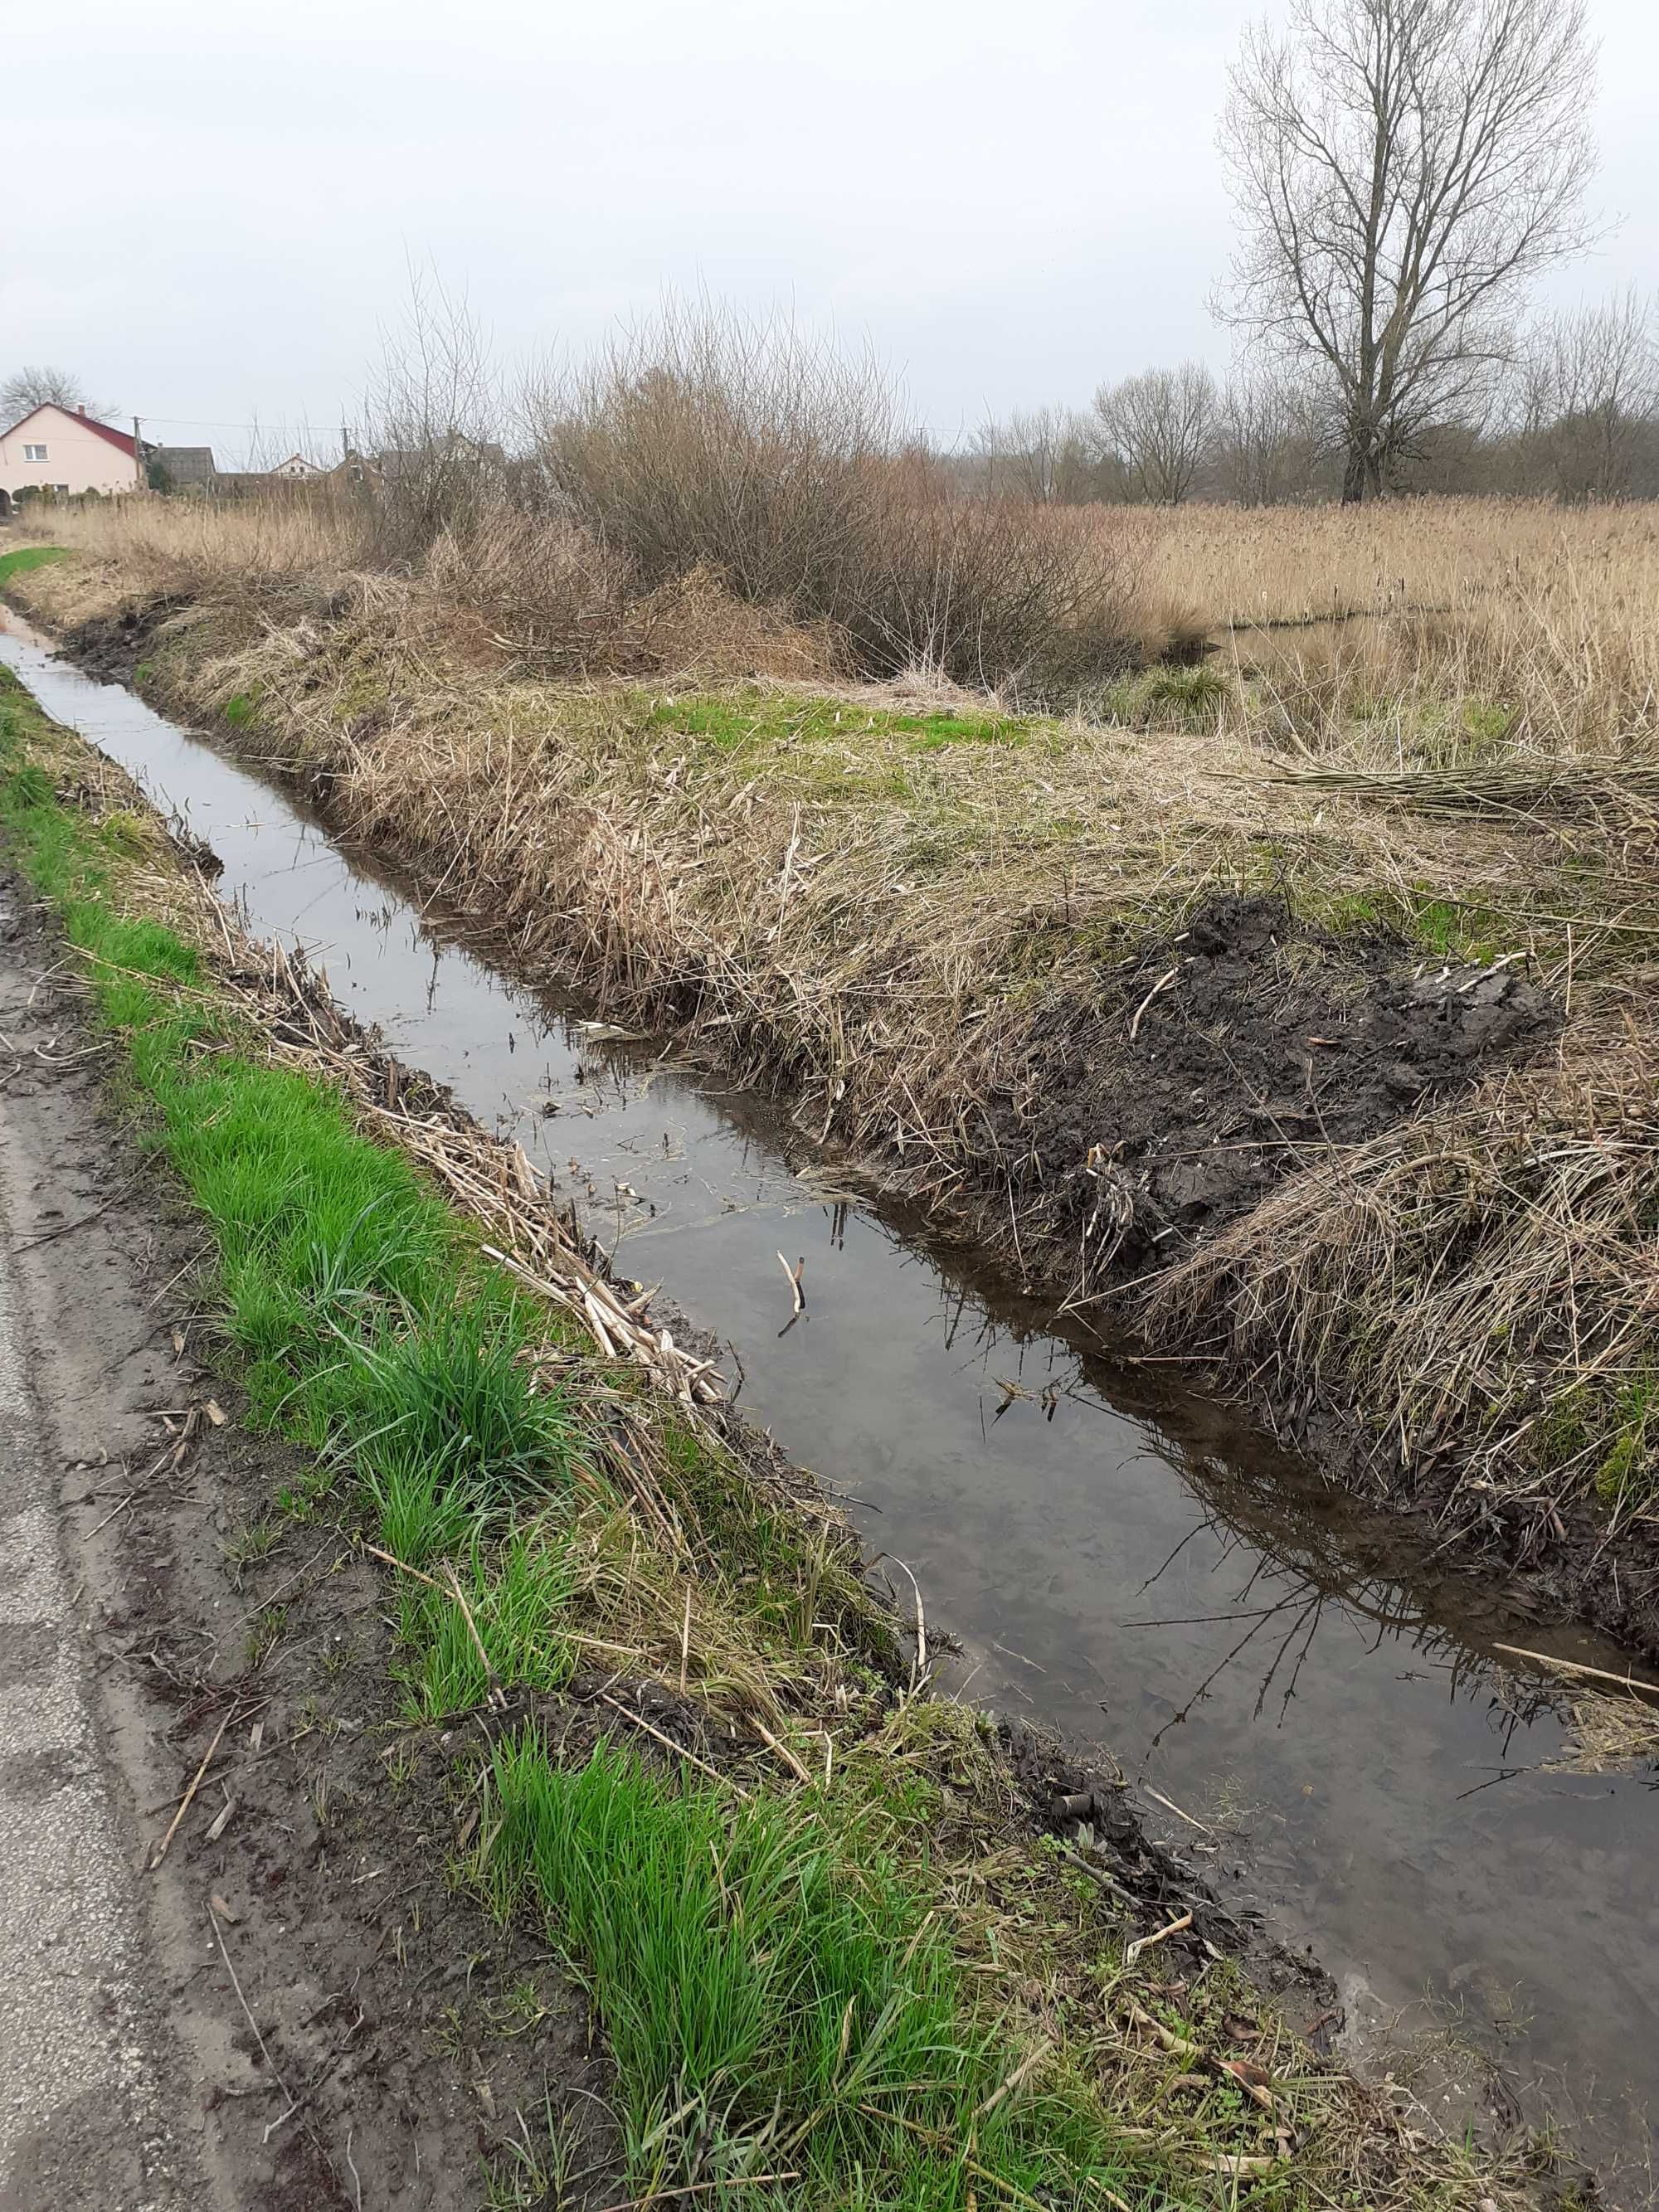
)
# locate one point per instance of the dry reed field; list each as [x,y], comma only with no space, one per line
[1289,999]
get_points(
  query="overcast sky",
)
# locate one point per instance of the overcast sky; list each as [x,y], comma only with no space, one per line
[210,204]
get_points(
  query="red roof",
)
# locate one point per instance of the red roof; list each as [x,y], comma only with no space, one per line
[87,423]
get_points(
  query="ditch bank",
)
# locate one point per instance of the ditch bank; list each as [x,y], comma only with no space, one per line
[206,1029]
[1292,1156]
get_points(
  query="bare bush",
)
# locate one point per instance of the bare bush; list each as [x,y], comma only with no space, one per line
[561,604]
[434,415]
[1050,456]
[751,450]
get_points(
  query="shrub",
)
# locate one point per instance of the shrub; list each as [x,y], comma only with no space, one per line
[748,450]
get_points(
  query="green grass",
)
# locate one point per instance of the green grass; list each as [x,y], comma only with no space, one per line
[27,557]
[1166,697]
[519,1594]
[760,720]
[766,2009]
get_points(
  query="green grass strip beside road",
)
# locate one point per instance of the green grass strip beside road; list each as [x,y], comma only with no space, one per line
[780,1994]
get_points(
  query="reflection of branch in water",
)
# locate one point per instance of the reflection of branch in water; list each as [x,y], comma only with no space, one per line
[1310,1606]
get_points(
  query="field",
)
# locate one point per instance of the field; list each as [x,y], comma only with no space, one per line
[1290,997]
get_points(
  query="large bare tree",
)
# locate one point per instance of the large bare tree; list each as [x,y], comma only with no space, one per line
[1160,425]
[1402,168]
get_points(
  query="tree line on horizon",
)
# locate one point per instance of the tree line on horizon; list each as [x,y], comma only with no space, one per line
[1569,410]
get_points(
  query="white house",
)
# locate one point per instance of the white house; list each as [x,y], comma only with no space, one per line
[66,451]
[296,469]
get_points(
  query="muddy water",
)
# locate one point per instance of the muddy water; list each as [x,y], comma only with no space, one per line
[1125,1562]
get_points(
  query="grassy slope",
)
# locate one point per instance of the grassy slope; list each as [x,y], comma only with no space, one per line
[837,1983]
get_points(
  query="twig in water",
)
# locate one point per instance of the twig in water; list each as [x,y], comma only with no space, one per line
[1170,1806]
[919,1666]
[1575,1666]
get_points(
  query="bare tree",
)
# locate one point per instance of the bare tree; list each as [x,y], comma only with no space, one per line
[1273,436]
[1048,455]
[1586,396]
[1402,168]
[1160,425]
[41,385]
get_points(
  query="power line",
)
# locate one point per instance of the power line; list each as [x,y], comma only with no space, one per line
[205,422]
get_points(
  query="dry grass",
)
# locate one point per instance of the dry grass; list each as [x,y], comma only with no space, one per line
[905,921]
[1484,1277]
[1372,630]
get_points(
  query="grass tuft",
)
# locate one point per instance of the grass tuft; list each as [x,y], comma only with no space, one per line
[766,2007]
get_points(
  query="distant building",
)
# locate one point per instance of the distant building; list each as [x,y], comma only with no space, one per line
[453,448]
[60,452]
[295,469]
[181,468]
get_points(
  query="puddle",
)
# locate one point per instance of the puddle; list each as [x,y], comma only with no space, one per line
[1121,1560]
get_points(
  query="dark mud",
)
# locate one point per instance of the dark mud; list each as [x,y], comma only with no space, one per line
[1215,1060]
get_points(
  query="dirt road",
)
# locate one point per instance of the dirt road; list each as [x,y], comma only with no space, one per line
[93,2109]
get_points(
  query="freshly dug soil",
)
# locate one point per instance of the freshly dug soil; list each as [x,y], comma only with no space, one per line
[1214,1060]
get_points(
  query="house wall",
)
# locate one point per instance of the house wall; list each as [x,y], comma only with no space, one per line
[75,456]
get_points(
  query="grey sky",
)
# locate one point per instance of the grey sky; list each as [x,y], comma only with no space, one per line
[210,203]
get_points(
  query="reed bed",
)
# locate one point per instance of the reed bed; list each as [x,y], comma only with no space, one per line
[1515,624]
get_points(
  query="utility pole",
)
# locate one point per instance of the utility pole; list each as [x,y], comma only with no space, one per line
[142,483]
